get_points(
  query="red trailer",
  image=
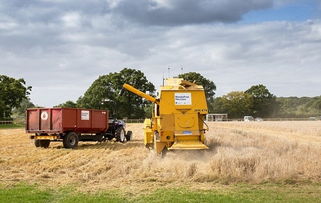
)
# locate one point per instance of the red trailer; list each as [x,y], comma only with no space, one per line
[71,125]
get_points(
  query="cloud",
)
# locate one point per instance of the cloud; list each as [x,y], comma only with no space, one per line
[282,55]
[61,47]
[183,12]
[147,12]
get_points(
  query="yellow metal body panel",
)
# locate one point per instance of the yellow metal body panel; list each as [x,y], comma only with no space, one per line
[178,116]
[189,145]
[159,146]
[148,132]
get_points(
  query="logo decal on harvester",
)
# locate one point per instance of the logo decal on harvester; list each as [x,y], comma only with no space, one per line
[44,115]
[183,99]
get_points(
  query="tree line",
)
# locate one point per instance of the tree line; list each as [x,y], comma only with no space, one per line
[298,107]
[104,93]
[13,93]
[257,101]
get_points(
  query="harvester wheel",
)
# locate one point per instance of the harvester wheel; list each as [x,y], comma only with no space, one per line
[37,143]
[70,140]
[120,134]
[44,143]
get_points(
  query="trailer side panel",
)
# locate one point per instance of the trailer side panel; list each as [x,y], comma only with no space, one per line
[61,120]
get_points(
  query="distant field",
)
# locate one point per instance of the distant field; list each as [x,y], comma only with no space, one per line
[253,154]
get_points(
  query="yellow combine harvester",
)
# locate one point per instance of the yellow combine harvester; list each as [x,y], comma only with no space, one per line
[178,116]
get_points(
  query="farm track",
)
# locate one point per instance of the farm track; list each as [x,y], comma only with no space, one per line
[239,152]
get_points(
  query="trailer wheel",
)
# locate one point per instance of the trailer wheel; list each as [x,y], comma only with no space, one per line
[44,143]
[120,134]
[129,135]
[100,137]
[37,143]
[70,140]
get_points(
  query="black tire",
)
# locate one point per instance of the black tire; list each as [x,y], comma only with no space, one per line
[70,140]
[120,135]
[110,136]
[37,143]
[100,138]
[129,135]
[44,143]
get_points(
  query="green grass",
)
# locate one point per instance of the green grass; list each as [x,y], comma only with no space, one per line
[183,195]
[10,126]
[24,193]
[238,193]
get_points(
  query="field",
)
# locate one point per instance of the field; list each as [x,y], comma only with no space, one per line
[268,155]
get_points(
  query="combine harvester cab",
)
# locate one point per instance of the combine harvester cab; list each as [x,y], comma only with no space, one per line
[178,116]
[71,125]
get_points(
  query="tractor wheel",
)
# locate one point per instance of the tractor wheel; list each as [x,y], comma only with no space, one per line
[44,143]
[37,143]
[70,140]
[129,135]
[120,134]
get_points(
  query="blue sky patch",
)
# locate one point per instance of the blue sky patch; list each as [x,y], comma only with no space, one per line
[299,11]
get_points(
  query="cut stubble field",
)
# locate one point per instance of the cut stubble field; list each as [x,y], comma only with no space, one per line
[240,152]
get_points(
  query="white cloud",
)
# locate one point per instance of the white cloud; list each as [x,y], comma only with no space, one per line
[7,23]
[71,19]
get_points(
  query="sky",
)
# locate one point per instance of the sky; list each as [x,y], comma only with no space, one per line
[61,46]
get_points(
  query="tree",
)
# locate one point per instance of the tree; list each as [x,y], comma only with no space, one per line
[219,105]
[317,105]
[68,104]
[237,104]
[148,110]
[299,107]
[263,101]
[208,85]
[104,93]
[12,93]
[24,105]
